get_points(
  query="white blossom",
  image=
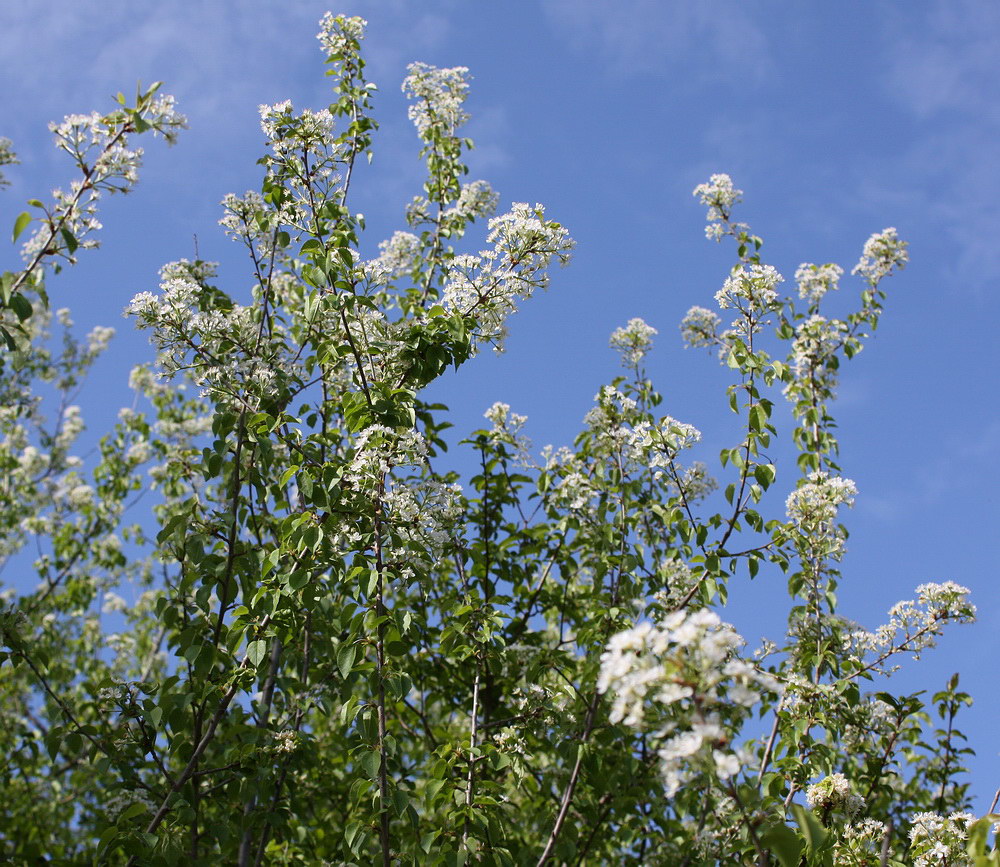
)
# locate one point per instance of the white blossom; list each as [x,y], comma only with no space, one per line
[915,624]
[113,603]
[476,199]
[699,327]
[239,219]
[814,503]
[719,195]
[337,32]
[438,96]
[816,341]
[937,841]
[815,281]
[833,794]
[400,254]
[99,338]
[757,286]
[883,252]
[633,341]
[7,158]
[683,667]
[285,742]
[117,802]
[488,286]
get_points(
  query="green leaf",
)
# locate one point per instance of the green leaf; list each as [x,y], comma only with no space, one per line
[345,658]
[21,306]
[816,836]
[400,801]
[764,474]
[132,810]
[784,843]
[71,242]
[20,224]
[351,832]
[256,651]
[370,763]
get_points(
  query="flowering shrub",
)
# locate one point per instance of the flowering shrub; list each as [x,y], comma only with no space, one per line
[331,652]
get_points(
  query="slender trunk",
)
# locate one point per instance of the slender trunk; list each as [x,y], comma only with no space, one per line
[246,843]
[471,779]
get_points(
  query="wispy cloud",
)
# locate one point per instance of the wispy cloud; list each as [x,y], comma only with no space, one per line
[709,38]
[212,53]
[960,471]
[943,69]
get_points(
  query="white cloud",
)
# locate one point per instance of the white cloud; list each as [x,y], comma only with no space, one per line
[707,38]
[943,69]
[947,59]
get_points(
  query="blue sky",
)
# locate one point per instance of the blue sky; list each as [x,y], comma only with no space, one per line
[836,120]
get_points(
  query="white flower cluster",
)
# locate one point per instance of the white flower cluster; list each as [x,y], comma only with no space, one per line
[139,452]
[239,219]
[118,802]
[633,341]
[814,504]
[439,95]
[936,841]
[379,449]
[757,286]
[79,132]
[197,340]
[507,428]
[200,271]
[31,462]
[914,625]
[399,255]
[285,742]
[121,163]
[70,428]
[816,280]
[685,670]
[833,794]
[545,704]
[719,195]
[860,844]
[574,491]
[502,419]
[99,146]
[76,210]
[99,338]
[272,117]
[7,158]
[658,445]
[113,603]
[286,132]
[422,512]
[700,326]
[882,252]
[337,32]
[816,340]
[612,404]
[677,580]
[509,740]
[870,720]
[609,421]
[119,694]
[74,493]
[487,286]
[477,199]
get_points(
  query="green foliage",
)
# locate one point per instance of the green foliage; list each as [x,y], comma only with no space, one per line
[337,654]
